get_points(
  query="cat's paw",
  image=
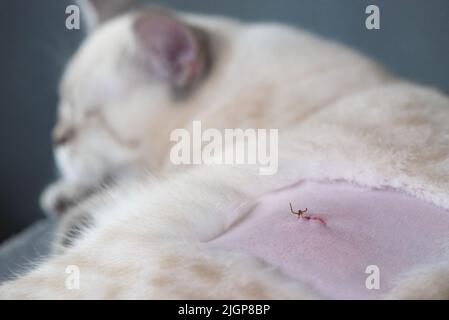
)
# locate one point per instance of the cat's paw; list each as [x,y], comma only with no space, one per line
[71,228]
[60,197]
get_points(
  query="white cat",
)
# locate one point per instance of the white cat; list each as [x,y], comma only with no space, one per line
[146,72]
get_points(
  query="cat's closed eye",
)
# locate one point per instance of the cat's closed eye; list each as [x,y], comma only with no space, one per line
[63,134]
[65,131]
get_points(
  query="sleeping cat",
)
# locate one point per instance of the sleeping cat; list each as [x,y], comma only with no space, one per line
[138,77]
[143,72]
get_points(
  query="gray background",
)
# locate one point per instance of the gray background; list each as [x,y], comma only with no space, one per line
[413,42]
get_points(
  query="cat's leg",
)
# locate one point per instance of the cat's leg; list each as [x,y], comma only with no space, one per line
[83,216]
[71,227]
[72,203]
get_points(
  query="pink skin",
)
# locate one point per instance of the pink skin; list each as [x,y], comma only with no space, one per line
[347,229]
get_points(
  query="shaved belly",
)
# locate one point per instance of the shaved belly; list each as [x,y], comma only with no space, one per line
[346,229]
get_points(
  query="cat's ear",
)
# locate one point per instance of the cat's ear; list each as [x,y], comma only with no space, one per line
[96,12]
[174,51]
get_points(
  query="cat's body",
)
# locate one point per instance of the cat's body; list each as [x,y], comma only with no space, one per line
[258,75]
[340,117]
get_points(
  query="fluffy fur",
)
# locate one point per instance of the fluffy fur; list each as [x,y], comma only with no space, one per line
[342,117]
[252,84]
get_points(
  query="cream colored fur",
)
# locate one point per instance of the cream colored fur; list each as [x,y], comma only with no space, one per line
[340,115]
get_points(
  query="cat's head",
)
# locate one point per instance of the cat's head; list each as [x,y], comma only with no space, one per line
[134,62]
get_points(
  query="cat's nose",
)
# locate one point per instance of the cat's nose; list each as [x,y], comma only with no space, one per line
[62,135]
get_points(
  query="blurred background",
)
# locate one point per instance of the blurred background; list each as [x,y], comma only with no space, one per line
[413,42]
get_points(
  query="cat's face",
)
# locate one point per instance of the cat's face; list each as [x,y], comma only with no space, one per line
[127,69]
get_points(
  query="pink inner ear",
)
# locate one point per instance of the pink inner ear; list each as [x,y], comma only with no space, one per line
[169,47]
